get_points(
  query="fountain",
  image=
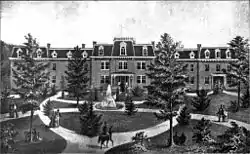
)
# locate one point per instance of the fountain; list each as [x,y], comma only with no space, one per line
[108,102]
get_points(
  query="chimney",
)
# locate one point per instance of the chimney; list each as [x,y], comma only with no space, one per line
[94,43]
[83,46]
[153,43]
[48,48]
[198,50]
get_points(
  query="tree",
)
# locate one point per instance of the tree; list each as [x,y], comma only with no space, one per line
[201,131]
[90,121]
[245,99]
[137,91]
[30,78]
[48,107]
[167,76]
[239,69]
[201,101]
[8,133]
[76,75]
[130,108]
[184,117]
[5,100]
[62,85]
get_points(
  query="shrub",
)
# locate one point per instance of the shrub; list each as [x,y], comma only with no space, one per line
[5,100]
[90,121]
[201,102]
[180,140]
[53,90]
[234,107]
[184,117]
[130,108]
[201,131]
[8,133]
[137,91]
[245,99]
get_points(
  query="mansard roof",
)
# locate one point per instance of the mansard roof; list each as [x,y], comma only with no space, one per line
[129,48]
[138,49]
[212,52]
[23,49]
[107,49]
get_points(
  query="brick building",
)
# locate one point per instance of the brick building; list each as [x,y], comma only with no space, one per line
[123,63]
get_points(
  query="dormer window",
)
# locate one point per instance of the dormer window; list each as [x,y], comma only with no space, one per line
[217,53]
[84,54]
[144,51]
[39,53]
[101,51]
[54,54]
[228,53]
[123,51]
[207,54]
[192,55]
[177,55]
[19,51]
[69,54]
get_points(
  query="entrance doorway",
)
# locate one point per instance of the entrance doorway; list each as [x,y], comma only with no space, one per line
[123,81]
[218,81]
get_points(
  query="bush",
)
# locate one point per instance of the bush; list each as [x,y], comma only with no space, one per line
[184,117]
[179,140]
[53,90]
[201,131]
[8,133]
[201,101]
[130,108]
[245,99]
[137,91]
[234,107]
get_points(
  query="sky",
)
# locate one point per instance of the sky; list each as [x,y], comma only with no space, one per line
[71,23]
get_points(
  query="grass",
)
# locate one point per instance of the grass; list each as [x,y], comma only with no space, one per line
[144,105]
[51,142]
[157,144]
[58,104]
[120,121]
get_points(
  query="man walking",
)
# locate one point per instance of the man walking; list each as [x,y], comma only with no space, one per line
[15,110]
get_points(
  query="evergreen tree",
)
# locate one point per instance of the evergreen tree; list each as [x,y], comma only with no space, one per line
[130,108]
[62,85]
[30,78]
[201,101]
[90,121]
[5,100]
[167,76]
[245,99]
[239,69]
[201,131]
[184,117]
[76,75]
[48,107]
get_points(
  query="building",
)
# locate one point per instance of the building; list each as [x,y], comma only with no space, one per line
[123,63]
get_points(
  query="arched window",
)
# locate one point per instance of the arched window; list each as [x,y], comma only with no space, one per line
[19,51]
[207,54]
[123,51]
[54,54]
[69,54]
[84,54]
[101,51]
[177,55]
[144,51]
[217,53]
[228,53]
[39,53]
[192,55]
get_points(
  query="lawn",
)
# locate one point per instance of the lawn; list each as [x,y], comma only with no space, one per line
[58,104]
[157,144]
[120,121]
[51,143]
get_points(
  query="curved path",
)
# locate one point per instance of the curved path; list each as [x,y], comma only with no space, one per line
[77,143]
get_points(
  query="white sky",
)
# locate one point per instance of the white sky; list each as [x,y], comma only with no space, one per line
[67,24]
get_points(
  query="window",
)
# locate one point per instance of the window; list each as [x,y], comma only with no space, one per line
[123,65]
[192,55]
[228,67]
[101,51]
[177,55]
[19,51]
[217,53]
[53,66]
[104,65]
[123,49]
[39,53]
[141,65]
[53,79]
[69,54]
[191,67]
[85,54]
[191,80]
[229,80]
[217,67]
[206,67]
[104,79]
[141,79]
[144,51]
[207,54]
[206,80]
[54,54]
[228,53]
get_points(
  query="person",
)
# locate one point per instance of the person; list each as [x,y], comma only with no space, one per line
[15,110]
[225,114]
[34,134]
[110,131]
[220,113]
[104,128]
[57,118]
[52,119]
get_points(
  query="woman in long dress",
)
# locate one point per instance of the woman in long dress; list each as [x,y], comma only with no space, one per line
[57,118]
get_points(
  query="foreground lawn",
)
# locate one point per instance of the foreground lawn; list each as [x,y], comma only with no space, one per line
[120,121]
[58,104]
[157,144]
[51,142]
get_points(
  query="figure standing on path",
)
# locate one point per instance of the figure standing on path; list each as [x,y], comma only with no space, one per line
[104,128]
[220,113]
[57,118]
[15,110]
[52,119]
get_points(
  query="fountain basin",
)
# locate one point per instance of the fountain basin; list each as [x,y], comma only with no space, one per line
[118,106]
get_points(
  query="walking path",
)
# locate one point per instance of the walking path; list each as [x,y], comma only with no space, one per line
[231,93]
[77,143]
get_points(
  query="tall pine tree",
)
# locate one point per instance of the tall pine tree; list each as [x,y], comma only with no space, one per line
[167,76]
[29,79]
[239,69]
[76,75]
